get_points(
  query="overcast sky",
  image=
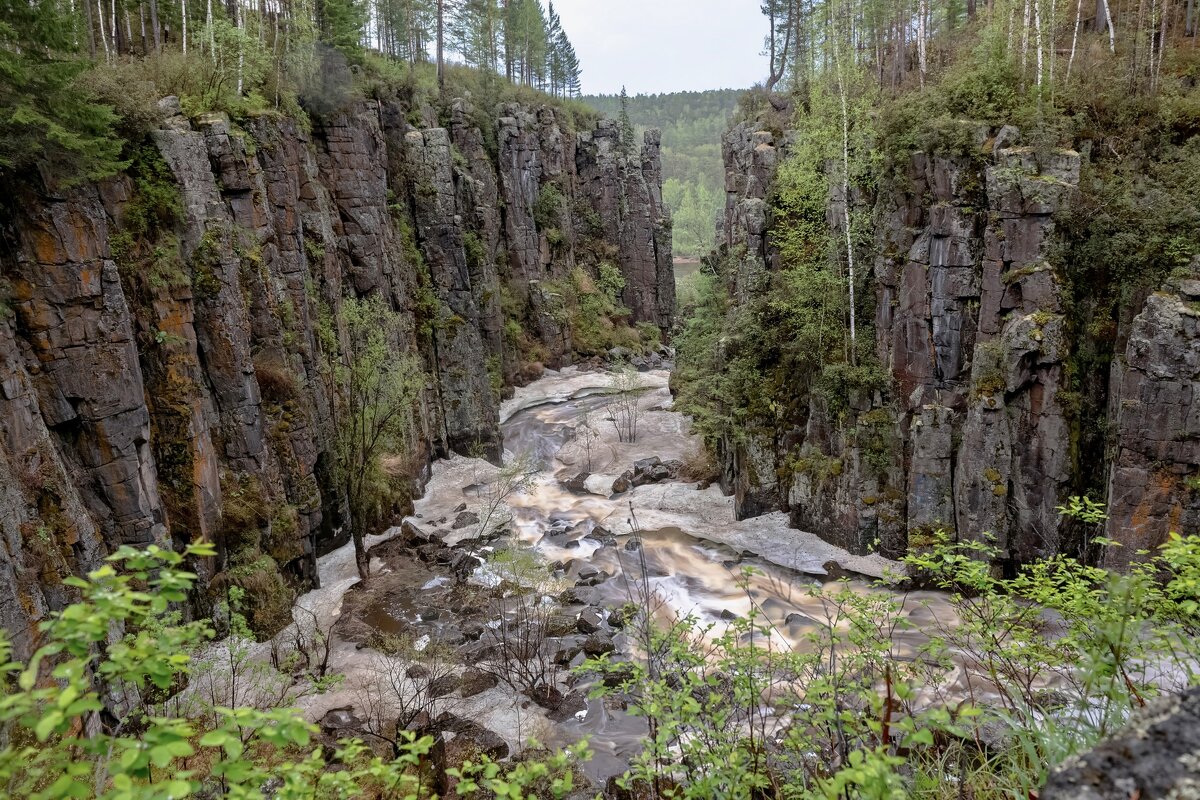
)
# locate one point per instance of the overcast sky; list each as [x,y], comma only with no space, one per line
[654,46]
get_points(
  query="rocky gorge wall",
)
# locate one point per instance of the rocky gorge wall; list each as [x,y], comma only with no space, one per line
[979,430]
[163,374]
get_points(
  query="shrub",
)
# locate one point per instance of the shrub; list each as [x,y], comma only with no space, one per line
[65,737]
[548,208]
[848,713]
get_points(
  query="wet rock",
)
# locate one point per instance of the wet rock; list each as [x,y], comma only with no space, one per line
[414,534]
[620,353]
[460,507]
[623,483]
[578,483]
[465,564]
[602,535]
[568,707]
[590,620]
[433,552]
[450,637]
[337,720]
[633,545]
[617,788]
[834,571]
[565,655]
[621,616]
[570,597]
[598,644]
[460,740]
[560,625]
[617,675]
[1156,757]
[646,464]
[443,685]
[465,519]
[472,630]
[474,682]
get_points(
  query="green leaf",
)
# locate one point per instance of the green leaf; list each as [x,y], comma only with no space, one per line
[923,736]
[214,738]
[47,724]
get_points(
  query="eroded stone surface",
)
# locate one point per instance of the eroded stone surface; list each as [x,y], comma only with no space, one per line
[155,390]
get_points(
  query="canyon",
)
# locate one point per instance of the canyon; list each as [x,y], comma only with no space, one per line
[992,409]
[165,375]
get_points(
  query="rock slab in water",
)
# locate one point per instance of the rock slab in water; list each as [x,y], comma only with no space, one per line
[1157,756]
[646,471]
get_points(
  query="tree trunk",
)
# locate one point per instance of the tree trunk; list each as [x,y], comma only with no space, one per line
[103,28]
[1074,38]
[91,23]
[922,12]
[154,25]
[237,22]
[441,66]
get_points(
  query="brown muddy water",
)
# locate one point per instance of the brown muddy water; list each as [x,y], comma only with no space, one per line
[679,542]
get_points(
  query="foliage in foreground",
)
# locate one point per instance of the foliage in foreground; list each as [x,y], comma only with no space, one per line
[97,713]
[976,693]
[983,691]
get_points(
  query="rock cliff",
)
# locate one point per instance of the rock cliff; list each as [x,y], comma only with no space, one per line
[165,334]
[979,428]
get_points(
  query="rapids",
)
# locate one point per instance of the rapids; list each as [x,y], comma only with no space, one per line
[692,550]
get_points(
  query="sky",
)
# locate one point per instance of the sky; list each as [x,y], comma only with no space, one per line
[653,46]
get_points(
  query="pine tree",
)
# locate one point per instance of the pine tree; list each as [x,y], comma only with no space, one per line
[626,127]
[554,55]
[48,119]
[342,24]
[525,41]
[571,70]
[475,33]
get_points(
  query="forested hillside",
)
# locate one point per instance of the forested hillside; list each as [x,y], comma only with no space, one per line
[80,79]
[694,178]
[960,243]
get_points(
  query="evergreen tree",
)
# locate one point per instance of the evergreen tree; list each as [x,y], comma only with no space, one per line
[571,70]
[475,33]
[525,41]
[626,127]
[49,120]
[342,24]
[554,55]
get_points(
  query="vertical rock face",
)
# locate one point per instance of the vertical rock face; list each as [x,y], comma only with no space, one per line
[625,191]
[1156,413]
[978,434]
[167,381]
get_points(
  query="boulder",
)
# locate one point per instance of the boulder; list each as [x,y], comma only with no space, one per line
[474,681]
[465,519]
[1155,757]
[414,534]
[578,483]
[598,644]
[590,620]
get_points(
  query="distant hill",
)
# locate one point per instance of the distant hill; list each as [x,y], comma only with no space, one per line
[691,124]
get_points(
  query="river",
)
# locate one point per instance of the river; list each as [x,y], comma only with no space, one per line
[692,549]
